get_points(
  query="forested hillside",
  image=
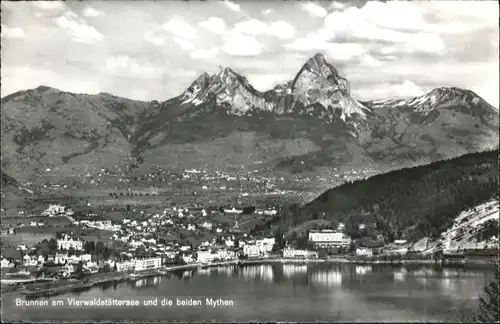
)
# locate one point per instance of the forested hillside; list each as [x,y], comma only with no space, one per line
[409,203]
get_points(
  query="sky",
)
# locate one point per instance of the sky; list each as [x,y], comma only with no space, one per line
[155,50]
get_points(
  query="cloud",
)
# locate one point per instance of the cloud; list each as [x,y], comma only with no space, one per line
[185,44]
[372,23]
[214,24]
[242,45]
[420,42]
[12,32]
[124,65]
[81,31]
[205,54]
[489,90]
[24,77]
[398,15]
[251,27]
[117,62]
[281,29]
[425,43]
[316,42]
[182,73]
[232,6]
[255,27]
[312,41]
[344,51]
[370,62]
[337,6]
[450,19]
[151,37]
[91,12]
[180,28]
[407,89]
[49,5]
[315,9]
[263,82]
[377,46]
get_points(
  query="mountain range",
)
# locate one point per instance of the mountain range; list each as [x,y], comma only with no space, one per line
[309,124]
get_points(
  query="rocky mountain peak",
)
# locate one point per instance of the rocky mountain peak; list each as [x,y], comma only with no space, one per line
[318,82]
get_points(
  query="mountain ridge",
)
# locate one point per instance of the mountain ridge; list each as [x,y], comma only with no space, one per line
[309,123]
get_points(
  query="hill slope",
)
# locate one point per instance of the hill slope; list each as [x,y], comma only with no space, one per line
[70,134]
[411,203]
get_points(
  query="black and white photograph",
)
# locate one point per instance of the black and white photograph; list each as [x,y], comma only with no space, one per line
[249,161]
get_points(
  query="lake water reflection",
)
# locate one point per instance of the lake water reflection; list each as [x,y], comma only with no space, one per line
[289,292]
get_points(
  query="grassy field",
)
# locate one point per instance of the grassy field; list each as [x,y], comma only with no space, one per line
[29,239]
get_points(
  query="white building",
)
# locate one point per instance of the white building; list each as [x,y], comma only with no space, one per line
[206,256]
[293,253]
[329,238]
[54,210]
[265,245]
[85,257]
[251,251]
[135,243]
[362,251]
[67,243]
[233,211]
[22,247]
[30,261]
[60,258]
[188,258]
[207,225]
[229,242]
[6,263]
[226,255]
[125,266]
[146,264]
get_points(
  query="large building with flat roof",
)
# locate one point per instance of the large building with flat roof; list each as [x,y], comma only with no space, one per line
[329,238]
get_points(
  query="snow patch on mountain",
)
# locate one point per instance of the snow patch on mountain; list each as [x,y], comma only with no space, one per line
[428,102]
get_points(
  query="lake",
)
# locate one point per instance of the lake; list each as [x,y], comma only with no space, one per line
[277,292]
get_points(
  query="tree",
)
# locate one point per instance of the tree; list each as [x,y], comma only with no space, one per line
[79,271]
[52,244]
[178,259]
[99,247]
[488,310]
[105,268]
[89,247]
[279,240]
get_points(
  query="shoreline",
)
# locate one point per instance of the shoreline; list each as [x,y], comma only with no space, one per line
[94,281]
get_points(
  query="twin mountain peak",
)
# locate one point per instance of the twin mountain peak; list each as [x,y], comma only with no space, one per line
[317,91]
[317,88]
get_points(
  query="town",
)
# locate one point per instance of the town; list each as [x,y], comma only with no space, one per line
[134,246]
[130,240]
